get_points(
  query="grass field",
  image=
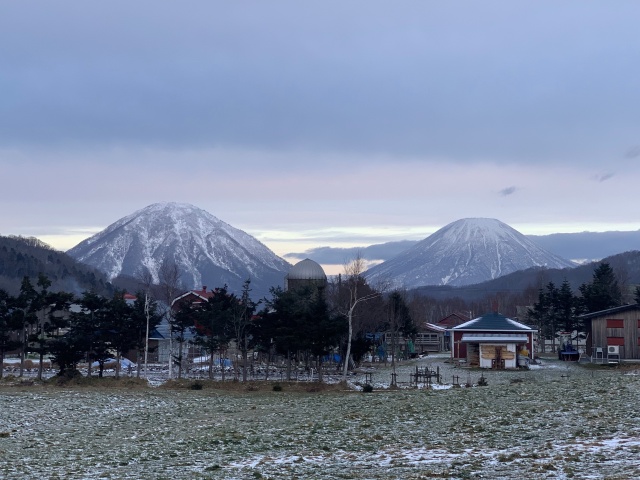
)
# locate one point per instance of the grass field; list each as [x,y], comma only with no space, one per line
[559,421]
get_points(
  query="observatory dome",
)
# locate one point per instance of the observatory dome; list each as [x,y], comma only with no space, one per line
[306,270]
[305,273]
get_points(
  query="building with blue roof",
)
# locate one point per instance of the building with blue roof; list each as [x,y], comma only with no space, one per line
[492,341]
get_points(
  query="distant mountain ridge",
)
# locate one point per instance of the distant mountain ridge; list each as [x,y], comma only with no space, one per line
[582,246]
[28,257]
[465,252]
[626,265]
[206,250]
[589,246]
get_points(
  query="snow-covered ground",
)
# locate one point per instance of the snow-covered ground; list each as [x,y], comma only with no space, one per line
[561,420]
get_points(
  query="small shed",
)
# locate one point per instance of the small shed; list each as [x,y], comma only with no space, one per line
[492,341]
[613,333]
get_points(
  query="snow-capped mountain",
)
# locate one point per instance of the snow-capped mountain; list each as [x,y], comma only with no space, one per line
[206,250]
[465,252]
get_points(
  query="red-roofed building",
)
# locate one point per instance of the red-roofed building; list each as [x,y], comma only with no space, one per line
[193,296]
[453,320]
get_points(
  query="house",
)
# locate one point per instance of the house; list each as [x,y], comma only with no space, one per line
[430,338]
[453,320]
[160,342]
[492,341]
[193,297]
[613,334]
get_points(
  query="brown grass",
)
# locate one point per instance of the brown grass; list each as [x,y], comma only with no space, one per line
[97,382]
[253,386]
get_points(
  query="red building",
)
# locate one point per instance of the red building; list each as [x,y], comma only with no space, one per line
[492,341]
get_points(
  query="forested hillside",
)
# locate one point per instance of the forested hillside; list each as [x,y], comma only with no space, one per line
[520,289]
[28,256]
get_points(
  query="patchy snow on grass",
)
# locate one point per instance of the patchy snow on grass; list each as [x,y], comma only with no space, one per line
[565,422]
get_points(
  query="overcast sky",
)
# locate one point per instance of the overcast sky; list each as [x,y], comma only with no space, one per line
[325,123]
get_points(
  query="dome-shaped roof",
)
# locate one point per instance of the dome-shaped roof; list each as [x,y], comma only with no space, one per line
[306,270]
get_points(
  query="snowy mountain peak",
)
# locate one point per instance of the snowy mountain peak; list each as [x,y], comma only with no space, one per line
[207,250]
[465,252]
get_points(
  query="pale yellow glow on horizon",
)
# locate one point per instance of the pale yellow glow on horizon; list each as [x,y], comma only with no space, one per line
[282,242]
[63,242]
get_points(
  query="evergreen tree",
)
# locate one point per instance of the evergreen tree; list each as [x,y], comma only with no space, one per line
[280,323]
[603,292]
[241,317]
[89,330]
[8,327]
[212,325]
[119,329]
[299,322]
[566,307]
[67,342]
[25,308]
[555,309]
[37,341]
[323,329]
[182,325]
[53,308]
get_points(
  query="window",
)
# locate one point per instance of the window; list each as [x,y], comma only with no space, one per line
[615,323]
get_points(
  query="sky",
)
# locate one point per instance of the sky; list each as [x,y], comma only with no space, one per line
[312,124]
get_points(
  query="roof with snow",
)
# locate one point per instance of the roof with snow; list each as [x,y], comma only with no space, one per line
[621,308]
[494,322]
[198,296]
[434,328]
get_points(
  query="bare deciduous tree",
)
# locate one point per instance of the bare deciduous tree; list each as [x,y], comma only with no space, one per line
[170,287]
[146,280]
[354,282]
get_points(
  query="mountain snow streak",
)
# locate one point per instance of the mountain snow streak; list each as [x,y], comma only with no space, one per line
[465,252]
[207,250]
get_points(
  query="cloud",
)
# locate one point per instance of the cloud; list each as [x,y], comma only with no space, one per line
[633,152]
[318,123]
[418,80]
[340,256]
[603,177]
[508,191]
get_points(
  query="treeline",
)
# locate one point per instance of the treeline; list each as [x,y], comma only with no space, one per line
[558,308]
[301,325]
[28,257]
[40,321]
[513,294]
[305,324]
